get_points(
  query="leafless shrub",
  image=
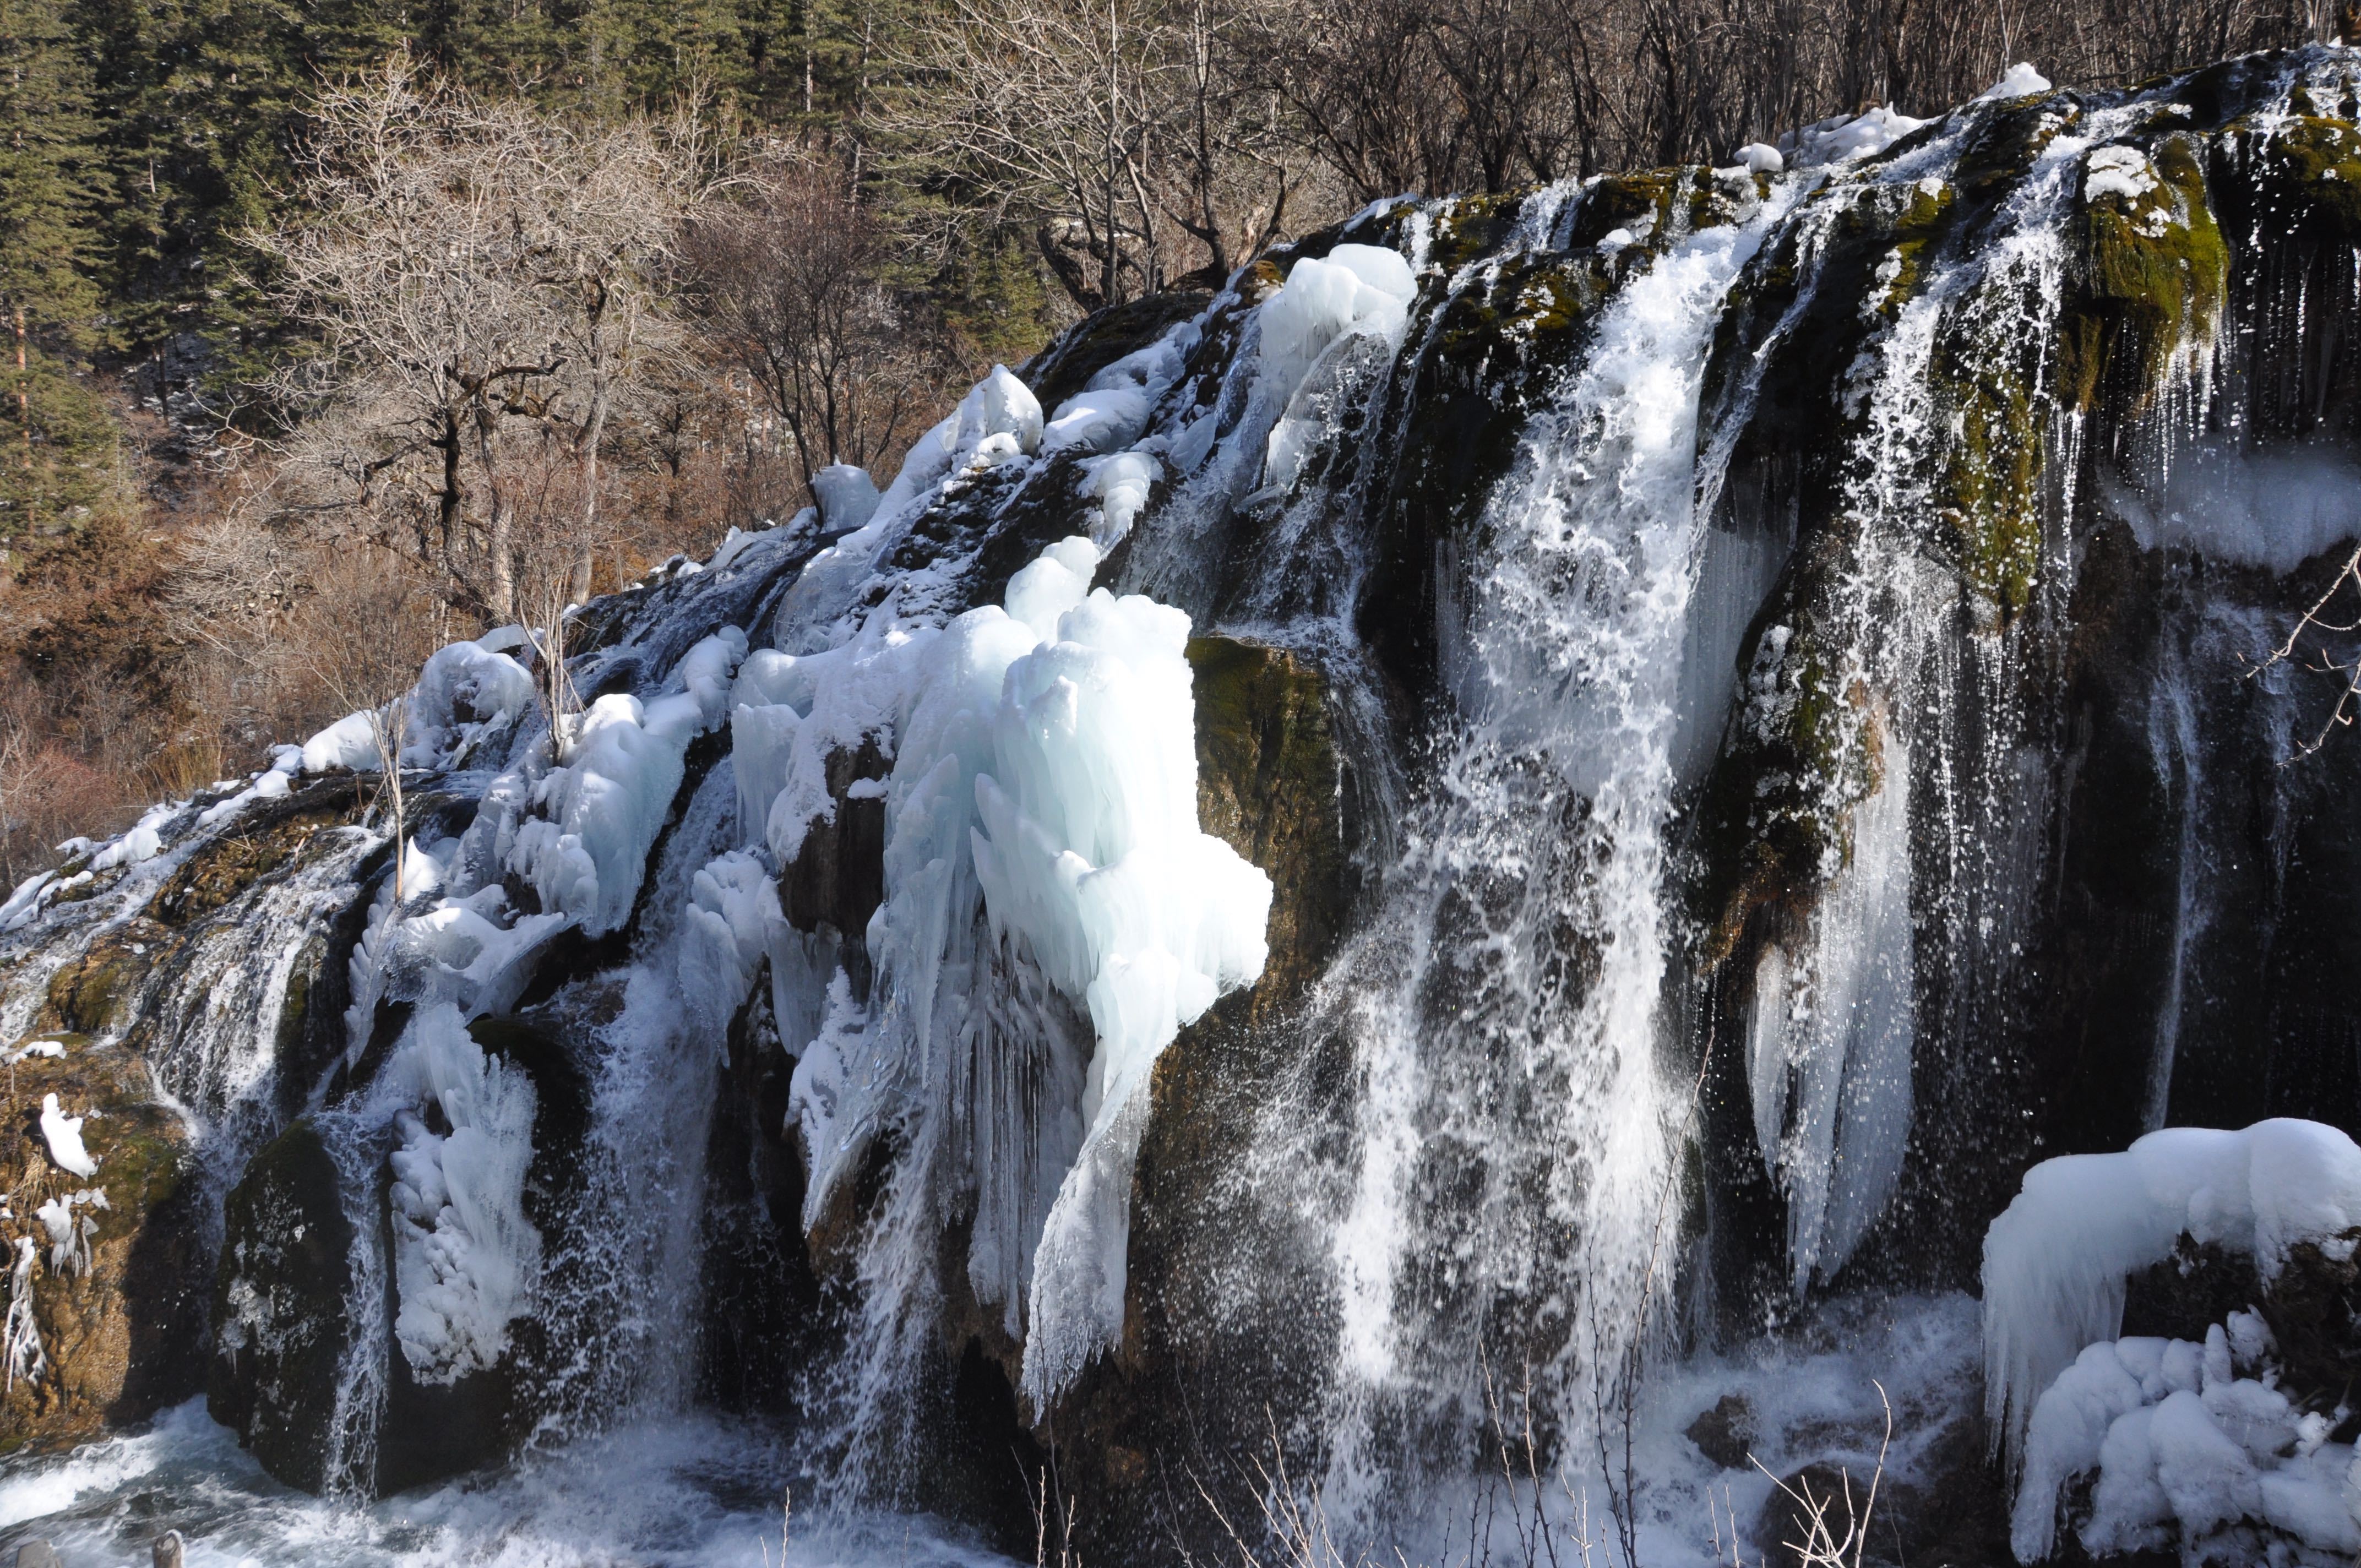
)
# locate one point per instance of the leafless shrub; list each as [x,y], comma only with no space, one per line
[2313,646]
[790,279]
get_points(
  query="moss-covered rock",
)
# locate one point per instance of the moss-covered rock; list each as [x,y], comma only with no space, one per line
[119,1323]
[264,841]
[99,992]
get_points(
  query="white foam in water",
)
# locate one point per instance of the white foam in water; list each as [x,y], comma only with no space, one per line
[2276,509]
[692,1492]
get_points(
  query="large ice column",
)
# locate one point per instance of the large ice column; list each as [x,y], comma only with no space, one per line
[466,1257]
[1830,1041]
[1044,776]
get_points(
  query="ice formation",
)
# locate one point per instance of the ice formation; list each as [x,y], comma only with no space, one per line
[70,1237]
[464,691]
[21,1332]
[2192,1446]
[1829,1045]
[1356,290]
[601,811]
[2057,1259]
[465,1257]
[63,1134]
[1043,757]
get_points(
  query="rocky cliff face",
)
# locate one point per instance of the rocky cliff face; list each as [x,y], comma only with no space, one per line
[1746,696]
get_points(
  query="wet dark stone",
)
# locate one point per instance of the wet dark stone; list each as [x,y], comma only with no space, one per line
[1725,1434]
[279,1324]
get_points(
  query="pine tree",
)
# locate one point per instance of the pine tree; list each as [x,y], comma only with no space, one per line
[59,443]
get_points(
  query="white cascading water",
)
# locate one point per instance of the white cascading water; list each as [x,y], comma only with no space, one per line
[1520,1117]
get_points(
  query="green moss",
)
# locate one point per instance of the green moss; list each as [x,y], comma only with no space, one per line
[2156,271]
[99,992]
[1467,228]
[2309,162]
[1270,784]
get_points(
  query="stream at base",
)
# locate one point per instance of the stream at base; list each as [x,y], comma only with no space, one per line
[696,1490]
[707,1491]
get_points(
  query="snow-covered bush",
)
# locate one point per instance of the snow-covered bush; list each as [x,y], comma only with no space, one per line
[2197,1444]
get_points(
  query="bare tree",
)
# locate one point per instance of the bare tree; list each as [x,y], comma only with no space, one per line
[1109,129]
[480,281]
[790,282]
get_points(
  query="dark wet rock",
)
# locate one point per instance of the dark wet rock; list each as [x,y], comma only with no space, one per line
[281,1308]
[838,877]
[761,1295]
[1952,1514]
[99,992]
[268,838]
[1186,1393]
[1725,1434]
[1100,338]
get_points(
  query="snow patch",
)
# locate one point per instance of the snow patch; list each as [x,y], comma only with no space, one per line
[1846,138]
[63,1134]
[2019,81]
[349,743]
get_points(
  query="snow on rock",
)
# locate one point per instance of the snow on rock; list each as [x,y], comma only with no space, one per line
[2019,81]
[463,691]
[144,842]
[1112,407]
[847,495]
[599,815]
[2120,172]
[269,784]
[63,1134]
[349,743]
[1761,158]
[1847,137]
[2056,1261]
[467,1259]
[2192,1445]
